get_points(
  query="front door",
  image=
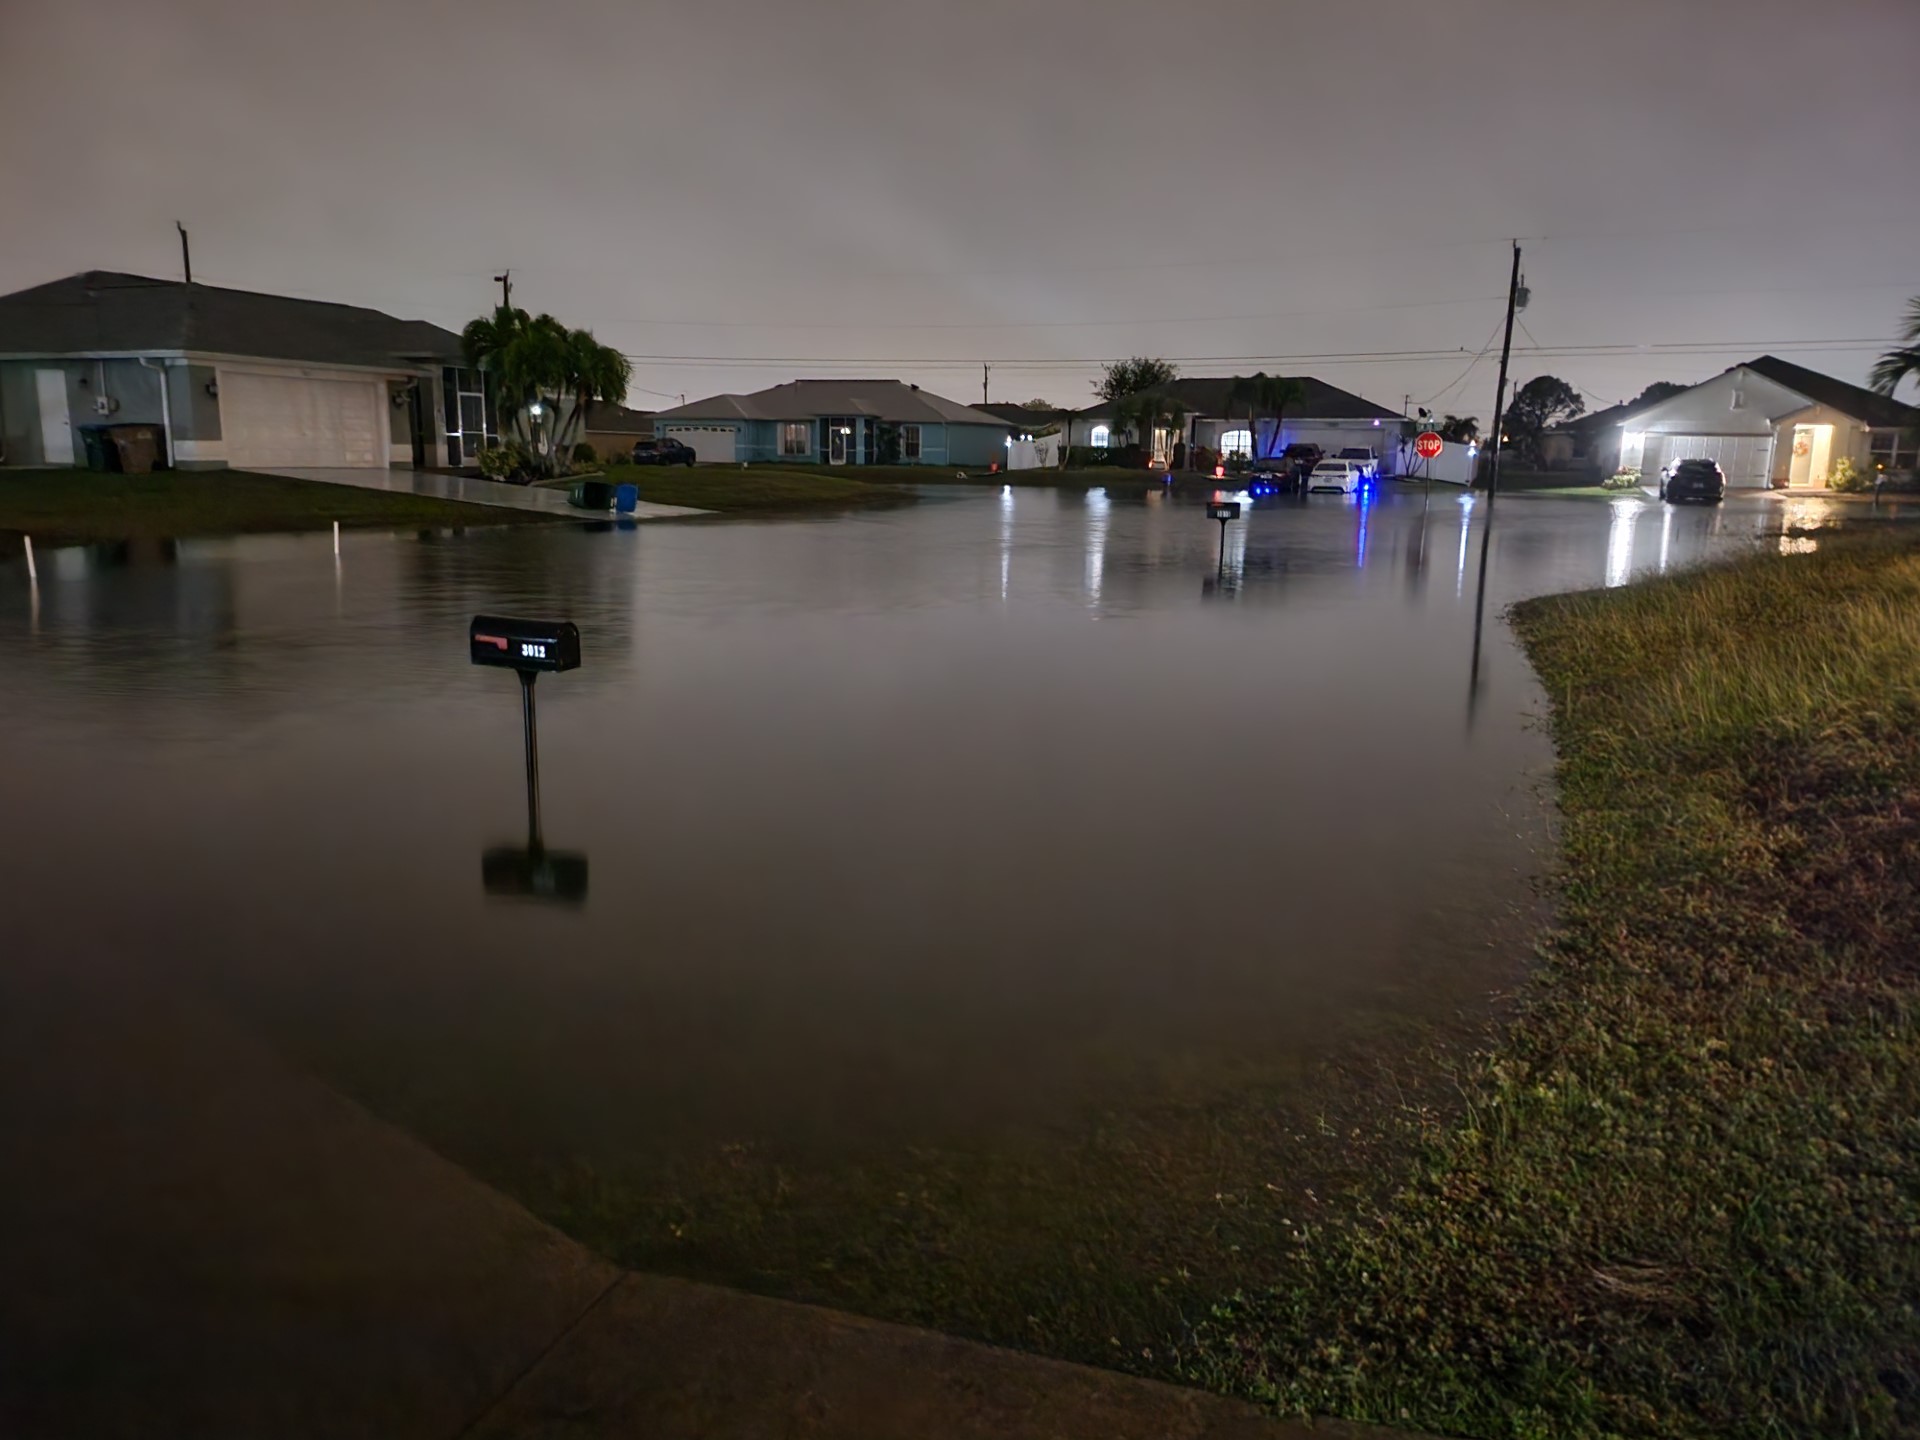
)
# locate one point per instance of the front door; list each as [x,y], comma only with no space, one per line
[1812,449]
[839,439]
[56,425]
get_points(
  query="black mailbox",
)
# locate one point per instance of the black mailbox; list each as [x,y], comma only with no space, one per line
[527,645]
[1221,510]
[533,874]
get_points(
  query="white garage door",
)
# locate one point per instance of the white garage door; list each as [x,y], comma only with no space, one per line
[1744,459]
[709,443]
[278,420]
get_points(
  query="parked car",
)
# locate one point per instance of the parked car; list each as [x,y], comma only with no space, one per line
[1269,477]
[1300,457]
[1693,480]
[665,451]
[1342,476]
[1364,457]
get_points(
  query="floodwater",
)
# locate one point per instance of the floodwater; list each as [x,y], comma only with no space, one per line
[942,829]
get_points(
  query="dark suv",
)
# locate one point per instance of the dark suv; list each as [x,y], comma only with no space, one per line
[667,451]
[1694,480]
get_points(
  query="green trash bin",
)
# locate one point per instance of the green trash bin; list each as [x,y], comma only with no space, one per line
[592,495]
[102,453]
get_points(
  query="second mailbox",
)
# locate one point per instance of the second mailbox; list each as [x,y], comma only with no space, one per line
[1223,509]
[524,644]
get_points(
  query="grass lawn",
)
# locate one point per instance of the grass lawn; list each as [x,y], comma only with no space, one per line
[85,507]
[1684,1198]
[732,490]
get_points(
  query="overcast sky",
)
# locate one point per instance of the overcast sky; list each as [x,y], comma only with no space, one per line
[913,187]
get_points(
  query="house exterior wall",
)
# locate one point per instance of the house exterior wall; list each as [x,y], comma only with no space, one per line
[966,445]
[136,388]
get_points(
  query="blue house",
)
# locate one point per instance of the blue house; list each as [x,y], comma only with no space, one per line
[837,422]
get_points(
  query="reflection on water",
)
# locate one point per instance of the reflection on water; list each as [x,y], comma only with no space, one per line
[874,867]
[1626,512]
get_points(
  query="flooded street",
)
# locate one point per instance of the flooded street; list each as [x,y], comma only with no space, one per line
[979,854]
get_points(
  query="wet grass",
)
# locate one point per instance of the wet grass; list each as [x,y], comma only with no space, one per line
[760,489]
[84,507]
[1684,1197]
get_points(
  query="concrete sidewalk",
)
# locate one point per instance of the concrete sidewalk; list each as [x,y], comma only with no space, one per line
[472,489]
[197,1240]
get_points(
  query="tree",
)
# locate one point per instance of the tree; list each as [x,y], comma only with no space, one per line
[1903,361]
[1458,429]
[1037,404]
[1145,412]
[1133,377]
[1659,390]
[1534,406]
[544,379]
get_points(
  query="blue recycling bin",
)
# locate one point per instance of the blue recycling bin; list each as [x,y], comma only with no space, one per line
[625,497]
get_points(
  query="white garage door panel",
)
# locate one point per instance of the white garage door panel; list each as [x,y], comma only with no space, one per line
[1742,458]
[711,444]
[270,420]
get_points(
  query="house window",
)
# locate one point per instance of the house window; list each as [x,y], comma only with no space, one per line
[796,437]
[1102,437]
[1236,442]
[909,442]
[1882,448]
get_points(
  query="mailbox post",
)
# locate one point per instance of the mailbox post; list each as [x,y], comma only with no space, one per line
[528,648]
[1223,511]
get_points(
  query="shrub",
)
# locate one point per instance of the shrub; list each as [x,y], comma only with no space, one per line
[1849,476]
[585,454]
[1623,479]
[508,461]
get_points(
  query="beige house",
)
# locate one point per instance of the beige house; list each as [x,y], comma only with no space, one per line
[1771,424]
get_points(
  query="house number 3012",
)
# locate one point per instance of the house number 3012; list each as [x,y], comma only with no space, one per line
[532,652]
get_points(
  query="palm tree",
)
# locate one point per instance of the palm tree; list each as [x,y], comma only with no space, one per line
[1902,362]
[544,379]
[1275,394]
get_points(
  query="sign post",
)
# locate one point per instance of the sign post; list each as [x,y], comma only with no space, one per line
[1223,511]
[1428,445]
[529,648]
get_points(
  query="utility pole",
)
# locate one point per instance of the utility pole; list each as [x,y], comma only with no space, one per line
[186,255]
[985,370]
[505,282]
[1500,391]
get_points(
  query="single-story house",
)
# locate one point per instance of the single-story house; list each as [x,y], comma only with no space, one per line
[1327,416]
[1770,423]
[837,422]
[612,429]
[1589,442]
[231,377]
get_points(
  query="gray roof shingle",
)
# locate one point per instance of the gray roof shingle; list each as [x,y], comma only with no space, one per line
[1208,396]
[890,400]
[104,310]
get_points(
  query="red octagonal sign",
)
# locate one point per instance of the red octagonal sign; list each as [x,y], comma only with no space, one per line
[1428,445]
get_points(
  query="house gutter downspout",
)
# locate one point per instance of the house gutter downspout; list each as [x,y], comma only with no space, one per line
[166,406]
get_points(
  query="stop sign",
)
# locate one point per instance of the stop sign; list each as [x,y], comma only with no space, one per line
[1428,445]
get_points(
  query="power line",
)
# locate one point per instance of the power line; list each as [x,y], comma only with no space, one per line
[1593,350]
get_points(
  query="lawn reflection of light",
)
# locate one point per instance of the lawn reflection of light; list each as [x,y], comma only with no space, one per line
[1099,511]
[1006,537]
[1798,545]
[1460,566]
[1620,541]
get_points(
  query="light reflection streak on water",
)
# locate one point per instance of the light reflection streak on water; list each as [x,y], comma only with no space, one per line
[1666,535]
[1006,537]
[1460,566]
[1360,548]
[1099,515]
[1626,513]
